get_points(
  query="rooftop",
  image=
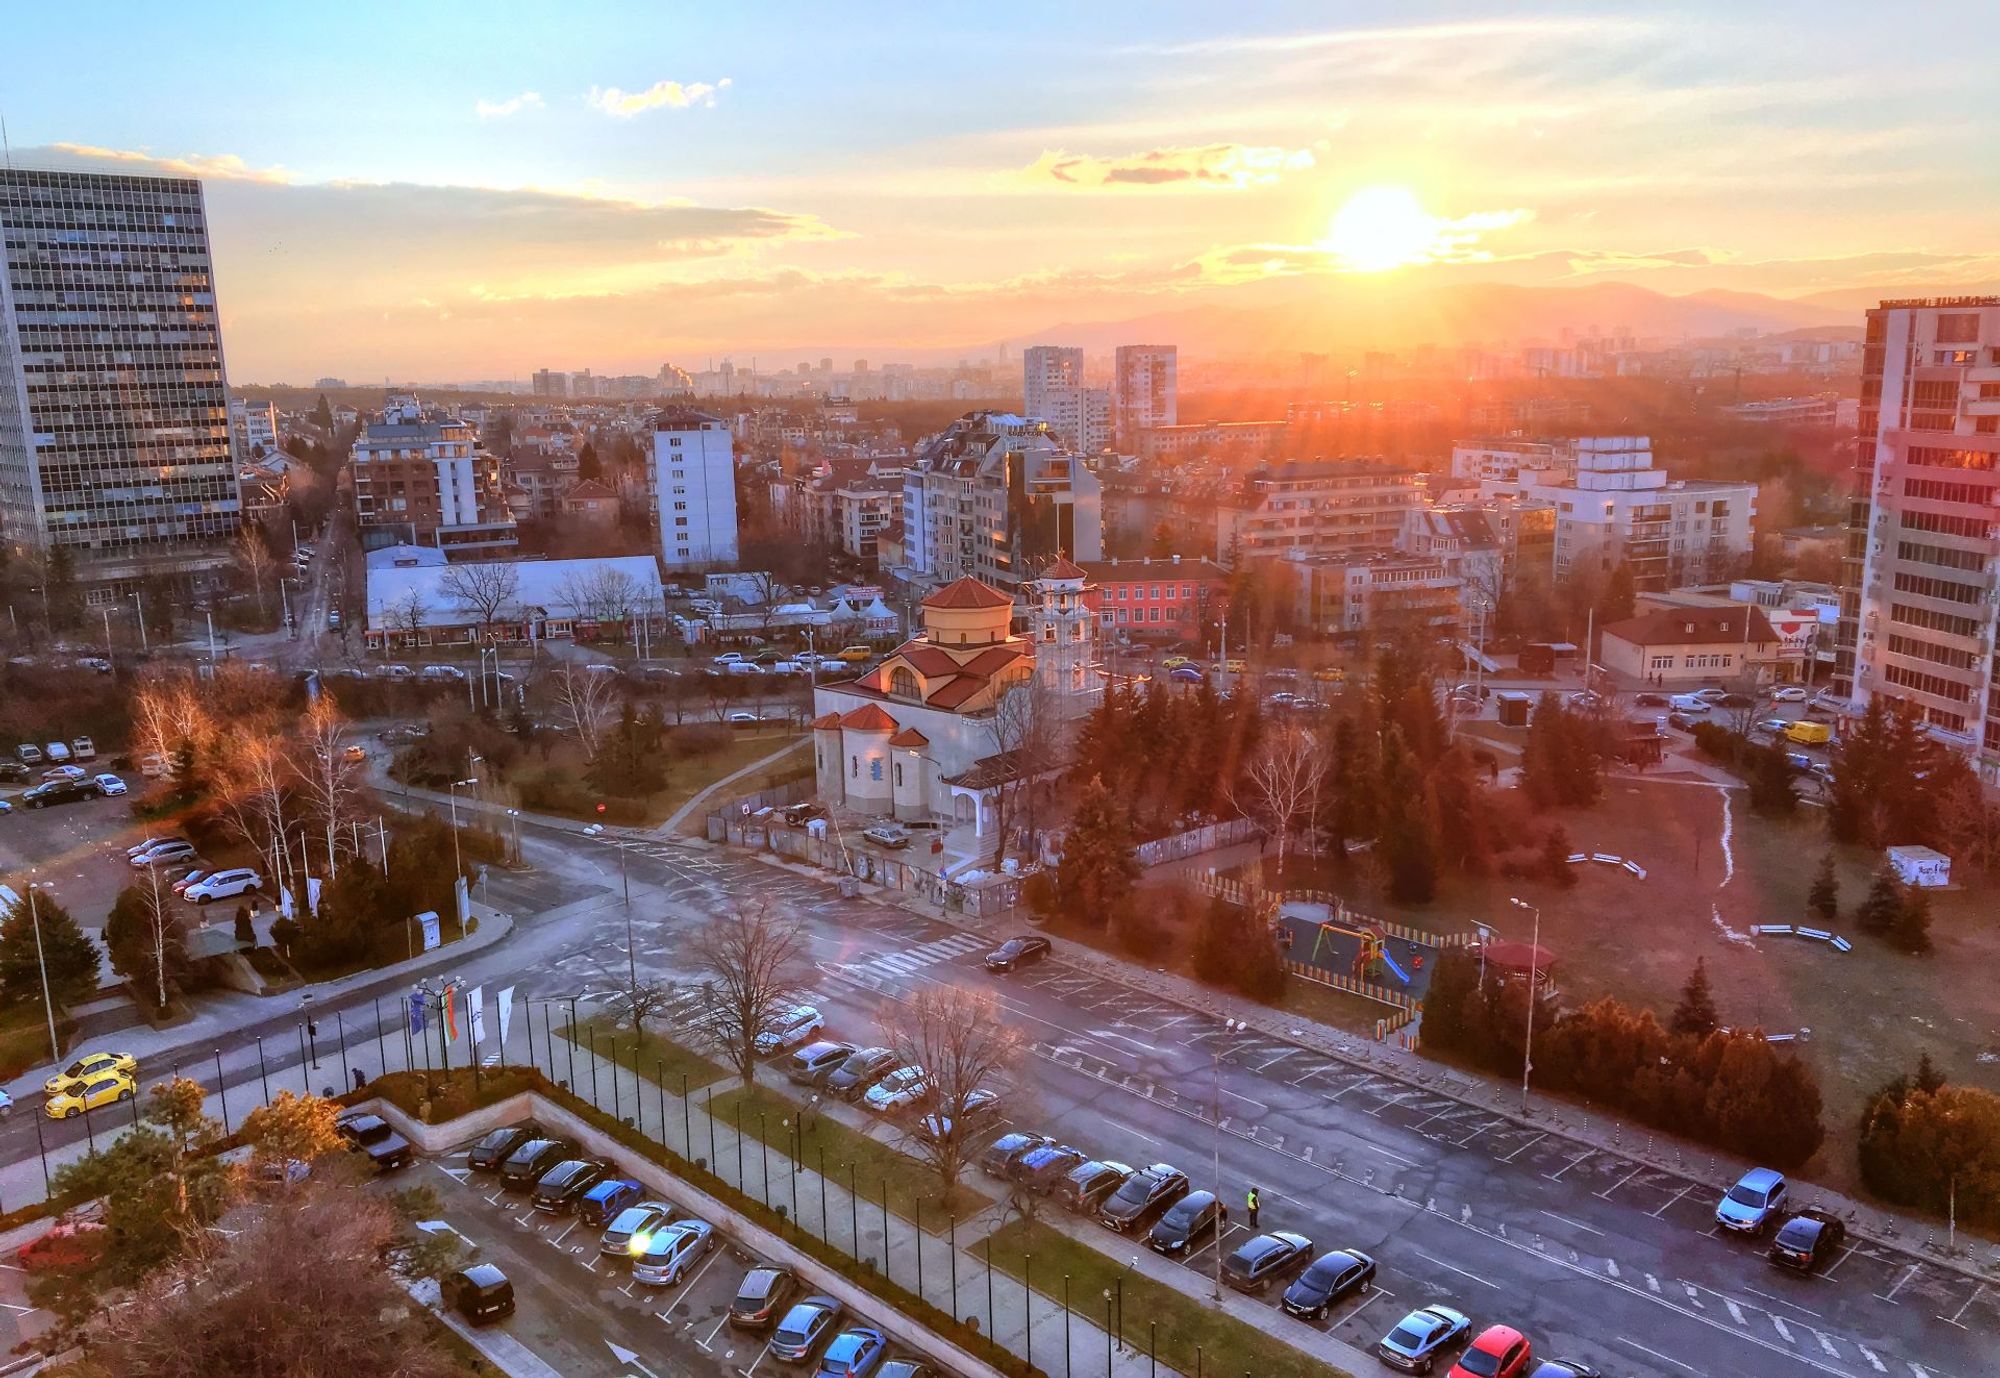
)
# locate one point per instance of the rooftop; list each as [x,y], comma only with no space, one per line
[1695,627]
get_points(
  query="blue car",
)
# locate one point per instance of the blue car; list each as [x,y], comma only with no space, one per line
[1751,1205]
[853,1353]
[1186,674]
[603,1202]
[1420,1337]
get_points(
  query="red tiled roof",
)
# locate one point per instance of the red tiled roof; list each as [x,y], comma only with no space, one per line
[869,718]
[1693,627]
[955,691]
[968,592]
[829,722]
[925,659]
[1064,568]
[909,736]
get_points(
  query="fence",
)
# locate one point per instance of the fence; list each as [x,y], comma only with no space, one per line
[1243,895]
[1181,846]
[983,898]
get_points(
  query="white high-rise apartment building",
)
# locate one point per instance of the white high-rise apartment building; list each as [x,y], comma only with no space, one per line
[1918,600]
[251,425]
[694,489]
[114,409]
[1052,390]
[1144,390]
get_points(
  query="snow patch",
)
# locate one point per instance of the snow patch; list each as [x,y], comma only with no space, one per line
[1728,831]
[1729,935]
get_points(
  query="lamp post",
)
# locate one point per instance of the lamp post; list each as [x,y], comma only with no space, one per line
[1534,984]
[457,861]
[1230,1026]
[514,817]
[48,1004]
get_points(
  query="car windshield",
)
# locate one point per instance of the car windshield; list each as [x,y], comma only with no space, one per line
[1746,1196]
[1013,947]
[630,1220]
[1479,1363]
[1136,1189]
[1799,1233]
[1407,1336]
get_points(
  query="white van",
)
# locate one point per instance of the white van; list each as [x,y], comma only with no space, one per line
[83,748]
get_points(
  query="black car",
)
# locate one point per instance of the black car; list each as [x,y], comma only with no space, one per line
[490,1152]
[1255,1263]
[372,1135]
[525,1165]
[761,1297]
[562,1186]
[1040,1169]
[815,1062]
[999,1157]
[1195,1216]
[1807,1240]
[1089,1185]
[1023,950]
[480,1293]
[59,792]
[1143,1194]
[804,1328]
[1331,1277]
[852,1078]
[1650,701]
[12,772]
[1680,720]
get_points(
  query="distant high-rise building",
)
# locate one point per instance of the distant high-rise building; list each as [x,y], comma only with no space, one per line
[1144,390]
[1052,390]
[425,480]
[549,382]
[694,489]
[1917,616]
[114,408]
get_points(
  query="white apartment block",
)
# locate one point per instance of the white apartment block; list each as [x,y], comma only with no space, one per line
[694,489]
[1502,460]
[1053,390]
[251,425]
[1145,390]
[1326,507]
[1919,583]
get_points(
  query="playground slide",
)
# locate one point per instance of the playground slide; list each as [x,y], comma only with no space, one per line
[1390,962]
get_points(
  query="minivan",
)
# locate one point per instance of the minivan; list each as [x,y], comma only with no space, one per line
[481,1293]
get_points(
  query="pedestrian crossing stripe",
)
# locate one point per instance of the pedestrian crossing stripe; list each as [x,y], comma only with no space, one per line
[906,960]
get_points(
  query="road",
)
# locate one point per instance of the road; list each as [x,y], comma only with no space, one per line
[1587,1252]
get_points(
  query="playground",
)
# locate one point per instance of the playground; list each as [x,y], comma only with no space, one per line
[1330,940]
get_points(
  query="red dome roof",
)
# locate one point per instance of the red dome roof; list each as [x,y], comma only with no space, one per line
[968,593]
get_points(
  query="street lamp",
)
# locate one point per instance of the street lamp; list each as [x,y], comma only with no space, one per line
[48,1004]
[515,815]
[457,861]
[1534,974]
[1230,1026]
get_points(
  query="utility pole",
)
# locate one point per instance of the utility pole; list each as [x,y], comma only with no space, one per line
[48,1004]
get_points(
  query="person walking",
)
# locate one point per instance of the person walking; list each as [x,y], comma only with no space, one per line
[1252,1203]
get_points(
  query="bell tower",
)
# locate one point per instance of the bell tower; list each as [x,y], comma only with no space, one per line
[1065,632]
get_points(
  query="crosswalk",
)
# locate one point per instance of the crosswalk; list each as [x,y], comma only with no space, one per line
[906,960]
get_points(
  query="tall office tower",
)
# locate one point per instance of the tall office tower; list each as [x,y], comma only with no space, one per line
[1917,610]
[1052,390]
[114,411]
[1144,392]
[694,489]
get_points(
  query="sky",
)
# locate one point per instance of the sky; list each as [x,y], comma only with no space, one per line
[475,191]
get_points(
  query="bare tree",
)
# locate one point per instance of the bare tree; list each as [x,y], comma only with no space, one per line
[604,595]
[406,613]
[752,963]
[481,590]
[253,557]
[1282,782]
[329,779]
[965,1045]
[587,700]
[1027,728]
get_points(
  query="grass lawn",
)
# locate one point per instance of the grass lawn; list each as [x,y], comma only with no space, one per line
[655,1058]
[1185,1323]
[875,1165]
[687,776]
[391,943]
[24,1038]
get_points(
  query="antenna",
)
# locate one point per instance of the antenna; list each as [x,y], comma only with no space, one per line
[6,144]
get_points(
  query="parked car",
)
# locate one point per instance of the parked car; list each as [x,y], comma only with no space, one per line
[761,1295]
[1711,694]
[815,1062]
[1751,1205]
[889,835]
[559,1189]
[371,1134]
[672,1253]
[51,792]
[225,884]
[1500,1352]
[1649,701]
[164,853]
[1807,1240]
[526,1164]
[902,1087]
[854,655]
[804,1327]
[481,1293]
[972,1107]
[1331,1277]
[632,1228]
[861,1070]
[906,1368]
[109,785]
[88,1066]
[1040,1169]
[854,1353]
[1024,949]
[498,1145]
[1691,704]
[1143,1195]
[65,773]
[1788,693]
[1420,1337]
[789,1029]
[1258,1261]
[1565,1368]
[798,815]
[57,752]
[29,754]
[1198,1215]
[1186,674]
[12,772]
[1089,1185]
[91,1093]
[999,1157]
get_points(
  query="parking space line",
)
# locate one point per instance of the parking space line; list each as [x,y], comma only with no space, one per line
[1452,1268]
[1484,1125]
[1828,1271]
[1374,1295]
[1517,1152]
[1670,1200]
[1577,1223]
[1665,1358]
[1953,1318]
[1606,1193]
[1556,1176]
[1890,1296]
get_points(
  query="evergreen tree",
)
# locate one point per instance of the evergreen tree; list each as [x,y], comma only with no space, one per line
[245,928]
[1214,955]
[1911,930]
[1771,783]
[1878,911]
[323,415]
[1695,1016]
[1824,897]
[1407,839]
[1620,595]
[71,957]
[1929,1079]
[1098,868]
[587,466]
[1454,983]
[1556,852]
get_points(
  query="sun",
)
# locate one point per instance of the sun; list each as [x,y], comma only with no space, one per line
[1380,228]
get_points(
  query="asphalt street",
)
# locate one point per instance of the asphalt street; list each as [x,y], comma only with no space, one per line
[1588,1253]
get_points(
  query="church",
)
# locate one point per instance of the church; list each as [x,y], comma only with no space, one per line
[922,735]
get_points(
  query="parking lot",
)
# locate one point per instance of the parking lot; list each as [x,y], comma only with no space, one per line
[578,1309]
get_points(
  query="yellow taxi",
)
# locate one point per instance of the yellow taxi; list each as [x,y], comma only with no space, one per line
[1236,667]
[853,655]
[1329,674]
[88,1066]
[1175,662]
[106,1088]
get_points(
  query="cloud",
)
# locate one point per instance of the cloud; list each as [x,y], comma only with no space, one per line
[1232,166]
[221,167]
[625,104]
[1456,31]
[513,105]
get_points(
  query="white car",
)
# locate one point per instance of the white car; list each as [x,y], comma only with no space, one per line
[64,773]
[1710,695]
[743,720]
[110,784]
[1688,703]
[789,1030]
[225,884]
[443,673]
[729,658]
[1790,693]
[395,672]
[904,1086]
[163,852]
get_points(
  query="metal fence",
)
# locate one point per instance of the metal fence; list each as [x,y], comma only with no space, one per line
[1181,846]
[983,898]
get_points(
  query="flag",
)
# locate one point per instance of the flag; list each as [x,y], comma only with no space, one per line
[506,1013]
[416,1014]
[312,895]
[475,1009]
[450,1014]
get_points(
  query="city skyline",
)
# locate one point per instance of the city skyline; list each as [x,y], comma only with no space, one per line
[632,187]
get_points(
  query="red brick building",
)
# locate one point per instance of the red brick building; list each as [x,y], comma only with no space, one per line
[1164,598]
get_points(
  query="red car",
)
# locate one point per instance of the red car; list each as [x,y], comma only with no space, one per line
[1500,1352]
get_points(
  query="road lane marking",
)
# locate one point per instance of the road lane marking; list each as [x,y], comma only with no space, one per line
[1460,1271]
[1873,1362]
[1688,1287]
[1783,1329]
[1735,1312]
[1827,1345]
[1665,1358]
[1517,1152]
[1783,1301]
[1653,1284]
[1567,1221]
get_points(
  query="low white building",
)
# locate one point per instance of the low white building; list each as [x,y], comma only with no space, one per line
[435,605]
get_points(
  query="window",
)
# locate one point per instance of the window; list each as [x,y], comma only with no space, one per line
[1926,650]
[1947,492]
[899,775]
[1927,587]
[1911,616]
[875,768]
[1976,527]
[1937,685]
[1958,328]
[1944,457]
[903,683]
[854,767]
[1939,555]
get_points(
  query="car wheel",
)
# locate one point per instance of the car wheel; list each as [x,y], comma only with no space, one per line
[203,899]
[125,1095]
[71,1113]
